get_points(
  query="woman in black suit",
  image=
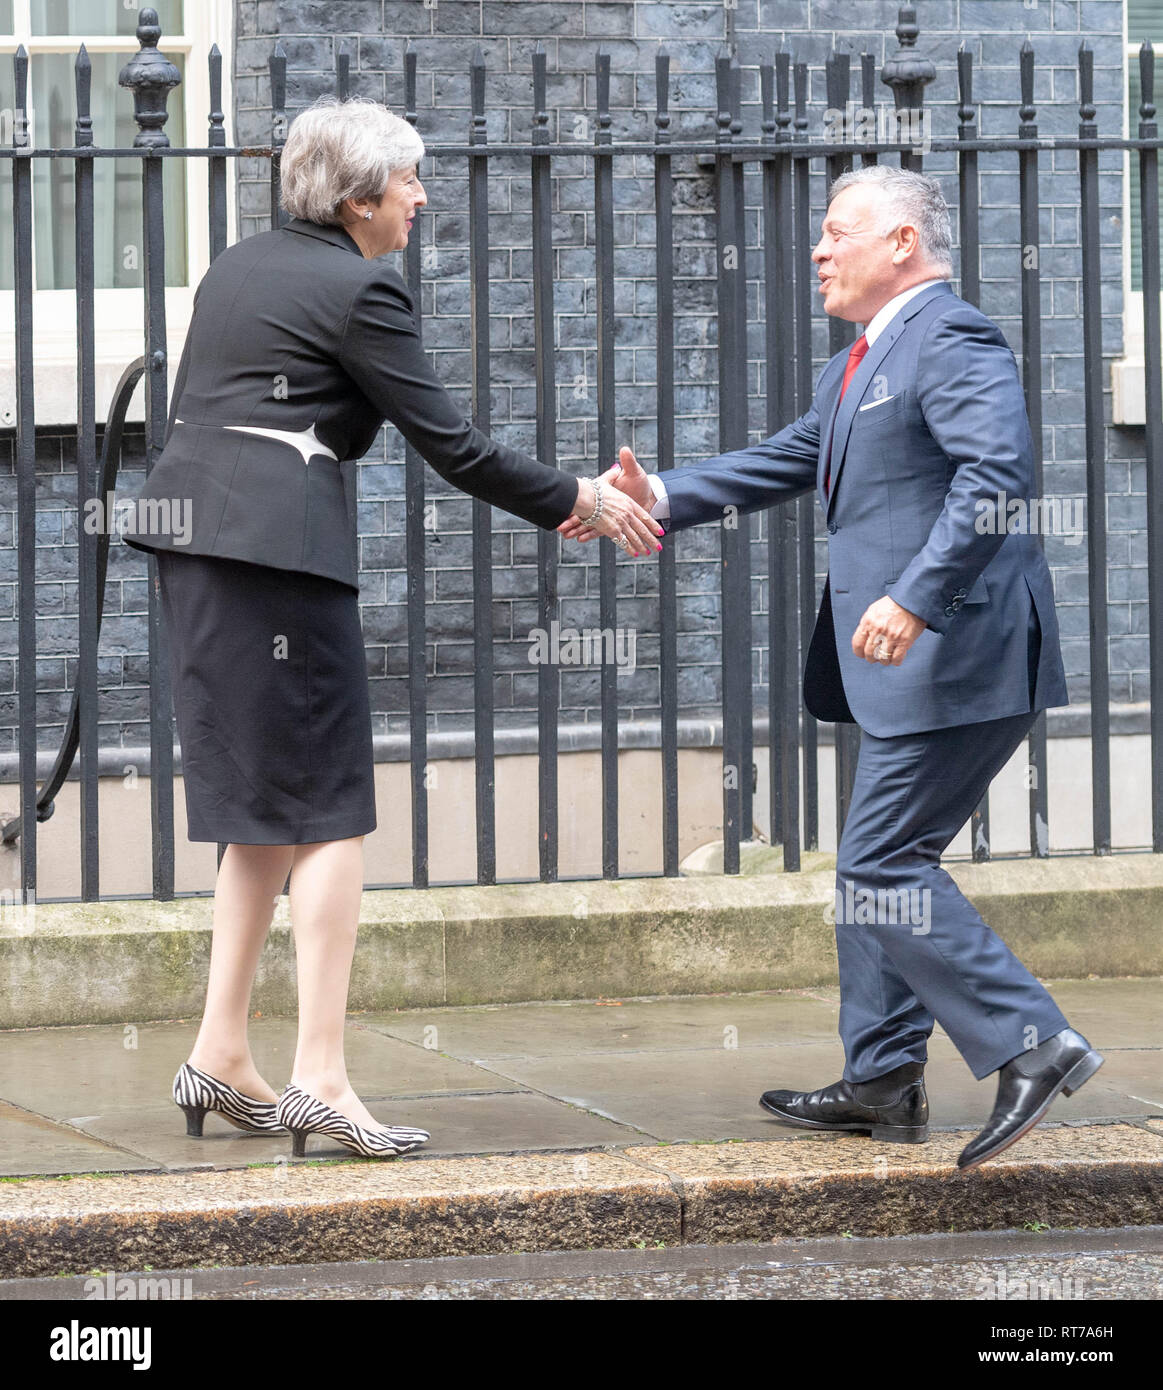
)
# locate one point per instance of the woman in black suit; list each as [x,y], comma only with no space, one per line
[301,344]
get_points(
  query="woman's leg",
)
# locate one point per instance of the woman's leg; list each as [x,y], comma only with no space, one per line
[326,887]
[250,878]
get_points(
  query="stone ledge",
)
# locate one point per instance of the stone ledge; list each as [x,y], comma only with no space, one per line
[136,959]
[1101,1175]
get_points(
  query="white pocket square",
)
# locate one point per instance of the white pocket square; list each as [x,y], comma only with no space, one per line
[873,404]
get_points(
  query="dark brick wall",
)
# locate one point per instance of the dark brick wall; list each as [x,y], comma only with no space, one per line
[444,36]
[123,664]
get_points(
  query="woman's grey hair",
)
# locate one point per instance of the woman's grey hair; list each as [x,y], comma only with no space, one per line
[908,197]
[343,149]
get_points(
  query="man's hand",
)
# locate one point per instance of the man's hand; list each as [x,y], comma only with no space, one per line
[888,628]
[627,476]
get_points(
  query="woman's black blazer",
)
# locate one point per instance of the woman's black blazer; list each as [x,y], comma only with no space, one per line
[296,333]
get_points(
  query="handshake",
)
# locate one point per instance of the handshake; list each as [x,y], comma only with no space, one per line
[616,505]
[622,511]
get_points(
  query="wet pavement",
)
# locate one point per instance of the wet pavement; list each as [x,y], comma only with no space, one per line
[528,1078]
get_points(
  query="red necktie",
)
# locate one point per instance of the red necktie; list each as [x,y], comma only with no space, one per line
[855,353]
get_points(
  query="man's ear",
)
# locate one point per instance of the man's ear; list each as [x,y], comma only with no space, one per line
[908,240]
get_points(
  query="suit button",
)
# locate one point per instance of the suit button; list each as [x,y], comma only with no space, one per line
[950,610]
[832,528]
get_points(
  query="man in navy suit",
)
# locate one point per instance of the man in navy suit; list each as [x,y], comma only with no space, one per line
[936,635]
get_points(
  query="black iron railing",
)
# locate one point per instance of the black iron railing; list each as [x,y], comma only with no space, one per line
[784,154]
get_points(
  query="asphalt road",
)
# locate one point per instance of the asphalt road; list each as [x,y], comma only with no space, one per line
[1079,1267]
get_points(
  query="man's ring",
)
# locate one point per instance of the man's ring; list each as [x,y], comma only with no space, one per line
[881,654]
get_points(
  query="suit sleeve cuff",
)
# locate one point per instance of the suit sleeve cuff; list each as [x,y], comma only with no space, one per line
[919,607]
[661,509]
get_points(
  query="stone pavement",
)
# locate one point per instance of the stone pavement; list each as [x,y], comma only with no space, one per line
[521,1078]
[556,1125]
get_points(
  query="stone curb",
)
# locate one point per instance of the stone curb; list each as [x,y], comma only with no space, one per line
[118,960]
[288,1213]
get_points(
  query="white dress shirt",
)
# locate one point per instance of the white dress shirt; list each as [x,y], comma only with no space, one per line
[880,321]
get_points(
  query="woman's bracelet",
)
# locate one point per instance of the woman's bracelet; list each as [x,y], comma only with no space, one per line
[597,511]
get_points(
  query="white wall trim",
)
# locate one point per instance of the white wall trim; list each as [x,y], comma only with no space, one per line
[119,313]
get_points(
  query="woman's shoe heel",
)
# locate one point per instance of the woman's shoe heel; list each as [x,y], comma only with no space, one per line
[303,1114]
[197,1093]
[195,1114]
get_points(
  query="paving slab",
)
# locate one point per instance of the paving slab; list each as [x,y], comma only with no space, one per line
[157,1134]
[471,1123]
[1113,1013]
[33,1144]
[1136,1074]
[711,1095]
[612,1025]
[103,1069]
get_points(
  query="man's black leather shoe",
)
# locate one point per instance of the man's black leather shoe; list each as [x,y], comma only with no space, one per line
[892,1106]
[1026,1086]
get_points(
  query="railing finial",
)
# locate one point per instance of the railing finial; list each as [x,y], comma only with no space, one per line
[907,72]
[152,77]
[1086,107]
[1147,83]
[661,93]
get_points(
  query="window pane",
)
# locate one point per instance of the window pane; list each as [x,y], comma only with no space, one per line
[1144,21]
[7,99]
[1134,96]
[6,24]
[116,182]
[99,17]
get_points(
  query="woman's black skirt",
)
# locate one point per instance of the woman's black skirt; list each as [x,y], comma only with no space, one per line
[271,700]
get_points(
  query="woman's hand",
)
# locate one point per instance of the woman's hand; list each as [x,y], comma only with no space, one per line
[623,516]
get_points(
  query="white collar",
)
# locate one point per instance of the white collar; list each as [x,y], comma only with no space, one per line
[882,317]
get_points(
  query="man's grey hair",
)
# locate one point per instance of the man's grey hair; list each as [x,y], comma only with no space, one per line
[343,149]
[908,197]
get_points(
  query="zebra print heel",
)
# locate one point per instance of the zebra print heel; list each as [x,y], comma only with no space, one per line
[195,1114]
[302,1114]
[197,1093]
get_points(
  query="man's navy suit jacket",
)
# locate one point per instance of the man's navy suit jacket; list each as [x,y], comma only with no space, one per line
[932,424]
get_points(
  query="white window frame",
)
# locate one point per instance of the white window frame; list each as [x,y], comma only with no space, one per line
[119,314]
[1129,372]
